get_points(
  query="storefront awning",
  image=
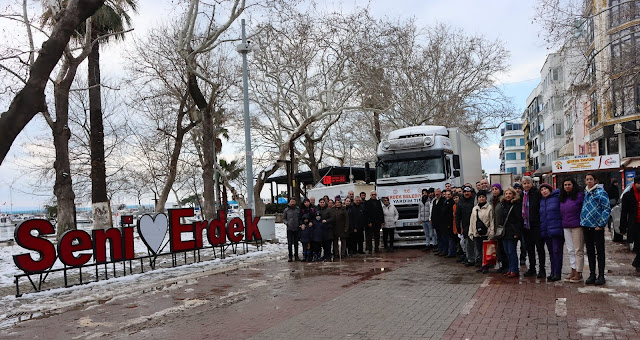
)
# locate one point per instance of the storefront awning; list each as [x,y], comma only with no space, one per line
[566,150]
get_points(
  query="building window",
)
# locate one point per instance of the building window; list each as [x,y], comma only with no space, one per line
[512,170]
[522,139]
[522,156]
[592,67]
[510,156]
[632,143]
[523,169]
[510,142]
[601,144]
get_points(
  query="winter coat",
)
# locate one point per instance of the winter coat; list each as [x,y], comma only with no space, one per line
[328,215]
[570,210]
[497,210]
[291,218]
[341,225]
[357,218]
[305,235]
[628,215]
[436,212]
[373,212]
[534,207]
[424,210]
[463,214]
[311,212]
[486,216]
[446,225]
[515,223]
[550,216]
[595,209]
[318,230]
[391,215]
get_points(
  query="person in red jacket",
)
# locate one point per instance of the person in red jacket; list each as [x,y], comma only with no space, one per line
[630,219]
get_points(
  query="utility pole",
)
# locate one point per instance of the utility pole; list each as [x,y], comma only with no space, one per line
[243,49]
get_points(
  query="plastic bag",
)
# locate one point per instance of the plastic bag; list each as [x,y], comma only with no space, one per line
[489,252]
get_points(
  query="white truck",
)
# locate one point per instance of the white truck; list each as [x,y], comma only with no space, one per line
[419,157]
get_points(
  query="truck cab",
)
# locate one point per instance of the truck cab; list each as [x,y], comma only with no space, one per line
[420,157]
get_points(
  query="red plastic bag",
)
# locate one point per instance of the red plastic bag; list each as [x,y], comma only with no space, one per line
[489,252]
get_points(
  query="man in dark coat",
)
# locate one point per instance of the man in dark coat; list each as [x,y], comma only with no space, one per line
[630,219]
[375,220]
[357,223]
[437,206]
[291,218]
[463,217]
[340,228]
[531,216]
[328,218]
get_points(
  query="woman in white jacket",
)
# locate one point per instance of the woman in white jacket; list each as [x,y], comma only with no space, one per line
[482,212]
[389,227]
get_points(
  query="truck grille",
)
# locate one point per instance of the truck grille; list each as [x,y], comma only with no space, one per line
[407,211]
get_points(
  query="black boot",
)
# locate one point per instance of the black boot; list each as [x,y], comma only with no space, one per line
[591,280]
[600,280]
[541,274]
[296,258]
[530,272]
[290,258]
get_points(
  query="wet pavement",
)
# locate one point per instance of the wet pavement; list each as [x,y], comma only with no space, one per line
[400,295]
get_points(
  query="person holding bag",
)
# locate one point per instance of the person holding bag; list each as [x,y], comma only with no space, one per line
[481,225]
[496,190]
[512,224]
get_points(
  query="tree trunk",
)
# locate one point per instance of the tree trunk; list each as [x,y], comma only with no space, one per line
[63,187]
[31,99]
[313,163]
[376,126]
[208,139]
[100,203]
[225,199]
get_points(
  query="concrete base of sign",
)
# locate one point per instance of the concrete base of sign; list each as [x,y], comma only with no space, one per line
[267,227]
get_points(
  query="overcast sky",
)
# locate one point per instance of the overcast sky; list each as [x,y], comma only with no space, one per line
[510,21]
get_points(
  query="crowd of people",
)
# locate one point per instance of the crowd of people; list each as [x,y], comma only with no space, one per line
[458,221]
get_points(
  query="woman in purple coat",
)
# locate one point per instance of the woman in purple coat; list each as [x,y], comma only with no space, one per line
[571,199]
[551,228]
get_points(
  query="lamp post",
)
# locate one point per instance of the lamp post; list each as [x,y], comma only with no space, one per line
[243,49]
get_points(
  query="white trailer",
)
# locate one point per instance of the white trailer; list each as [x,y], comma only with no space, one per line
[420,157]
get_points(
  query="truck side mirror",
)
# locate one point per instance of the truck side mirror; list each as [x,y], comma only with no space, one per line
[456,163]
[456,173]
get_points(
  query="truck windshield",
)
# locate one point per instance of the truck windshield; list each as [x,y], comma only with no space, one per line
[413,167]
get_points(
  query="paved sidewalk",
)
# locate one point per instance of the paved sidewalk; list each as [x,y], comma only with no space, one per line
[400,295]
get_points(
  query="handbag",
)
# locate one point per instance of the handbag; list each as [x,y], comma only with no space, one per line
[501,228]
[481,228]
[489,252]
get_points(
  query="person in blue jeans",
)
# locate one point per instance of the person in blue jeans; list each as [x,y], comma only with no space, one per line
[513,224]
[424,217]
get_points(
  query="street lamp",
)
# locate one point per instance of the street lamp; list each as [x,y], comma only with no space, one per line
[243,49]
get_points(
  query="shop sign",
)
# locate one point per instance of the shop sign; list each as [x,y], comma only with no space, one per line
[585,163]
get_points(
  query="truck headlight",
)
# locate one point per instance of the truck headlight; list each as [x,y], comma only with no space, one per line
[385,145]
[428,141]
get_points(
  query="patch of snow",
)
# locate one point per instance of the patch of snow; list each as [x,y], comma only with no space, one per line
[591,289]
[595,327]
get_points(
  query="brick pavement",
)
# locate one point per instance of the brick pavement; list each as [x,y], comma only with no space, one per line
[401,295]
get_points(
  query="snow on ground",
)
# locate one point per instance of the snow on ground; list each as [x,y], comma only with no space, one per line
[115,289]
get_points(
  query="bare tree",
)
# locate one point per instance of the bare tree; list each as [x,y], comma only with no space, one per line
[31,99]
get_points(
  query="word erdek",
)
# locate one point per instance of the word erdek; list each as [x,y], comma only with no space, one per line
[152,230]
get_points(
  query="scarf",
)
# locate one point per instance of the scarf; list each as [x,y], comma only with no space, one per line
[525,209]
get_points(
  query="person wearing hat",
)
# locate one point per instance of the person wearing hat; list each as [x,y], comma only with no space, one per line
[630,219]
[481,225]
[551,228]
[463,217]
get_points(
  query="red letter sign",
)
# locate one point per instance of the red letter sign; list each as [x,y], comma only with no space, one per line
[47,252]
[176,229]
[66,247]
[217,233]
[251,226]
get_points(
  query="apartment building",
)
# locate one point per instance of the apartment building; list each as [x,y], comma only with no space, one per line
[512,149]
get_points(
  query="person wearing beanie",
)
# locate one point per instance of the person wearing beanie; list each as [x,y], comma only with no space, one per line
[481,225]
[551,228]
